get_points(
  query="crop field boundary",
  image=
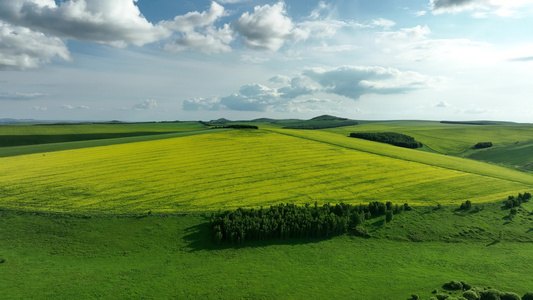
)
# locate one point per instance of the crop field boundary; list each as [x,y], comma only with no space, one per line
[452,163]
[52,147]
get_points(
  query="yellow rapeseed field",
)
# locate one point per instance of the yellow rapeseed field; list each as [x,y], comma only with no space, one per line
[223,170]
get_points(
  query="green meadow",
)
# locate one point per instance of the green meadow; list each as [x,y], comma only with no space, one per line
[126,215]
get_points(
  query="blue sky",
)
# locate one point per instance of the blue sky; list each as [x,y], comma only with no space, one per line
[152,60]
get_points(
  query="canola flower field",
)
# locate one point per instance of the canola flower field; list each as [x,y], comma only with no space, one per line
[244,168]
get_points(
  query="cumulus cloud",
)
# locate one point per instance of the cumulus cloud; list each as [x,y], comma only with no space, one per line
[117,23]
[20,96]
[502,8]
[348,81]
[442,104]
[355,81]
[268,27]
[197,32]
[146,105]
[22,48]
[202,104]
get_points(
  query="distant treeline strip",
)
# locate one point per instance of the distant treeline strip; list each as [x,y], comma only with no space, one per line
[23,140]
[322,126]
[293,221]
[396,139]
[237,126]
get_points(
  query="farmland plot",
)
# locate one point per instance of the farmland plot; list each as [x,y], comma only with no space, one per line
[223,170]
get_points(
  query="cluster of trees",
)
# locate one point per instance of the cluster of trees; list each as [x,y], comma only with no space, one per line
[482,145]
[463,290]
[237,126]
[292,221]
[323,126]
[393,138]
[513,201]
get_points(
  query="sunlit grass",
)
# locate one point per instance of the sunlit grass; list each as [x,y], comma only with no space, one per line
[250,168]
[449,139]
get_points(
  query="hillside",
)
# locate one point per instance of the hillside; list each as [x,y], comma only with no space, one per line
[245,168]
[128,217]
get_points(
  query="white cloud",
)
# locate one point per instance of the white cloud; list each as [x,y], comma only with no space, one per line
[20,96]
[268,27]
[39,108]
[355,81]
[409,34]
[117,23]
[420,13]
[442,104]
[202,104]
[198,32]
[383,23]
[70,107]
[348,81]
[146,105]
[192,20]
[232,1]
[22,48]
[335,48]
[503,8]
[414,44]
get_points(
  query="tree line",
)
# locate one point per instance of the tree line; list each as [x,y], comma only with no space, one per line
[285,221]
[237,126]
[393,138]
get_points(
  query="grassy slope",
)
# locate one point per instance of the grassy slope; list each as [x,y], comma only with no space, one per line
[448,162]
[68,257]
[58,256]
[447,138]
[245,168]
[53,147]
[518,155]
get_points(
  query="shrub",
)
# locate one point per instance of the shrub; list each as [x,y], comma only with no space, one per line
[528,296]
[482,145]
[453,285]
[466,286]
[442,297]
[466,205]
[361,231]
[415,297]
[2,260]
[388,216]
[471,295]
[490,294]
[509,296]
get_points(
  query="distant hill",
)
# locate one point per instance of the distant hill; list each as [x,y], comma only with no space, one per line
[328,118]
[322,122]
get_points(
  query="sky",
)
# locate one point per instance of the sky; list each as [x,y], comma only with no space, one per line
[165,60]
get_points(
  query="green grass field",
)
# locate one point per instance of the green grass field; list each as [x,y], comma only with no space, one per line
[447,138]
[518,155]
[75,257]
[33,134]
[74,221]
